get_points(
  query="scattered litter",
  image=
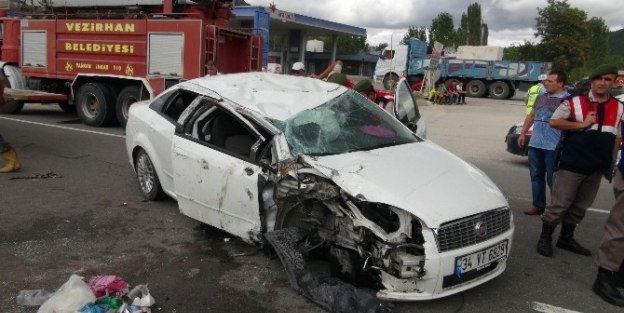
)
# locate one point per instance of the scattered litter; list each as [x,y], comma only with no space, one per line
[103,294]
[124,204]
[226,239]
[71,297]
[33,297]
[108,285]
[247,254]
[48,174]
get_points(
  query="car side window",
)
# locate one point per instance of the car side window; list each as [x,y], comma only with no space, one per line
[159,102]
[220,129]
[176,104]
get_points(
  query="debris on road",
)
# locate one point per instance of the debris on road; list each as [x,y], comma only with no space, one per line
[103,294]
[46,175]
[330,293]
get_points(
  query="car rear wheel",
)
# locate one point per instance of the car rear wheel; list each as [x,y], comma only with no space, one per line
[149,184]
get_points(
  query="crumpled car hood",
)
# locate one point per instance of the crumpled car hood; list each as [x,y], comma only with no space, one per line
[421,178]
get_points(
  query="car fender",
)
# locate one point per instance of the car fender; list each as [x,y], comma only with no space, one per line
[141,141]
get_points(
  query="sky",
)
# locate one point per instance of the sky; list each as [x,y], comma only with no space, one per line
[509,21]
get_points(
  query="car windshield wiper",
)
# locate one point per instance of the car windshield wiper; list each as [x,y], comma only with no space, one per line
[385,145]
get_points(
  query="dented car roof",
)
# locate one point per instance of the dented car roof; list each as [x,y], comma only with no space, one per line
[278,97]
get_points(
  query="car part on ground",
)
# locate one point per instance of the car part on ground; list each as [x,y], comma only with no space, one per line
[330,293]
[511,139]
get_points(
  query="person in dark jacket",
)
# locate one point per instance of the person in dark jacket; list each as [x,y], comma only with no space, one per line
[591,135]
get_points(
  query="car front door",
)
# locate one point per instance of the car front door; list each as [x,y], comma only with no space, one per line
[215,185]
[162,125]
[406,109]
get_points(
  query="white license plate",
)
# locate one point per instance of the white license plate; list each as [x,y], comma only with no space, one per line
[480,259]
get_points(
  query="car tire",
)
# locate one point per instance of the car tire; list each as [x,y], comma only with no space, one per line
[475,89]
[512,93]
[126,98]
[149,184]
[499,90]
[10,106]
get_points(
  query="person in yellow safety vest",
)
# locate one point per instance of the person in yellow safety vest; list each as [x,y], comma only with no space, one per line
[533,92]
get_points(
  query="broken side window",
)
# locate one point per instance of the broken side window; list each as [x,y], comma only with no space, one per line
[345,124]
[177,104]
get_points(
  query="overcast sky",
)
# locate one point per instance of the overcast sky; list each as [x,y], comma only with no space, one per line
[509,21]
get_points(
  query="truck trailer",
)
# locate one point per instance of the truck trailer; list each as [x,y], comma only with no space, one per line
[99,57]
[497,78]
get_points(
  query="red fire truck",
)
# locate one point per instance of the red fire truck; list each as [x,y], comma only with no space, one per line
[99,58]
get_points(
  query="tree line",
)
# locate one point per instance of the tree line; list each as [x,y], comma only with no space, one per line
[572,41]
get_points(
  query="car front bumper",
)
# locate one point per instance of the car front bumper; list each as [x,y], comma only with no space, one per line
[441,280]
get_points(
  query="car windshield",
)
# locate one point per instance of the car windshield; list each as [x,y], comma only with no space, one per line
[345,124]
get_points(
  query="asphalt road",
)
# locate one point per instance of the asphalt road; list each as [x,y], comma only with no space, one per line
[93,221]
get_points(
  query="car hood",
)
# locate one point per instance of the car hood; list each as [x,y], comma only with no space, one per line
[421,178]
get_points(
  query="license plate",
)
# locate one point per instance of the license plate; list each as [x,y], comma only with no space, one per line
[481,259]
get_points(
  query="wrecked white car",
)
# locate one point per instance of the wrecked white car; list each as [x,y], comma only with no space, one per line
[255,154]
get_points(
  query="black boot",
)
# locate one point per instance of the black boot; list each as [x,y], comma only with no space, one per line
[605,288]
[618,277]
[566,240]
[544,245]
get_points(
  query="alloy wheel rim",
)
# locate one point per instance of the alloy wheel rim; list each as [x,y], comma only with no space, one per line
[145,174]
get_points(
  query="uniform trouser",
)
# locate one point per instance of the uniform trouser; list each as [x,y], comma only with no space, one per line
[571,195]
[4,146]
[611,250]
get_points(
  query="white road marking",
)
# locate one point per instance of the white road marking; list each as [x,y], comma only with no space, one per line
[547,308]
[590,209]
[599,210]
[63,127]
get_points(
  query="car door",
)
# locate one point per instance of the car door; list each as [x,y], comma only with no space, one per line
[406,109]
[215,185]
[162,127]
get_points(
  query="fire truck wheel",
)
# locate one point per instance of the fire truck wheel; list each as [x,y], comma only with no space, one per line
[95,104]
[11,107]
[126,98]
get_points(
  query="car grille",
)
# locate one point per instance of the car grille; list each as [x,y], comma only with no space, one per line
[463,232]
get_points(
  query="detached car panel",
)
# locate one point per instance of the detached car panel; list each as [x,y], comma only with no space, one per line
[512,140]
[256,154]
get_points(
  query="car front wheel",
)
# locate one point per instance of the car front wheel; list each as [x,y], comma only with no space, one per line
[147,177]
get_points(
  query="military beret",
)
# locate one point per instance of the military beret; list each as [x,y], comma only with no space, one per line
[603,69]
[363,85]
[339,79]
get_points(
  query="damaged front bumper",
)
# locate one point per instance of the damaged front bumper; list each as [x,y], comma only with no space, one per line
[441,278]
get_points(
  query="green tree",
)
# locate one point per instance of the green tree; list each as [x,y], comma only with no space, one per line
[599,40]
[379,47]
[346,43]
[564,32]
[442,30]
[415,32]
[472,31]
[525,51]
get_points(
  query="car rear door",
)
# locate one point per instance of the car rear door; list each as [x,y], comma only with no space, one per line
[217,186]
[406,109]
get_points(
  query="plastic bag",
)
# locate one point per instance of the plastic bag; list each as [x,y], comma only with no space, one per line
[71,297]
[140,296]
[108,285]
[95,308]
[33,297]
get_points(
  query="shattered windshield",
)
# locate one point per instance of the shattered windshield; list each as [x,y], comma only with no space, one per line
[345,124]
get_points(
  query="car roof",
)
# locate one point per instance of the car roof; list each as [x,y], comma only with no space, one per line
[275,96]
